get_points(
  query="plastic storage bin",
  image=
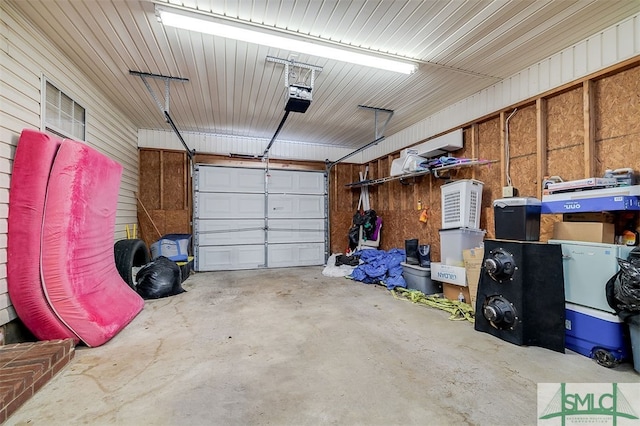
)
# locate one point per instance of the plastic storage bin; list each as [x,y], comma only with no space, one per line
[461,201]
[596,334]
[454,241]
[419,278]
[174,246]
[517,218]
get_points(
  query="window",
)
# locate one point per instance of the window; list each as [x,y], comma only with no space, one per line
[62,115]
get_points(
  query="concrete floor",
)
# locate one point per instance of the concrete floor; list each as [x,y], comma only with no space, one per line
[291,347]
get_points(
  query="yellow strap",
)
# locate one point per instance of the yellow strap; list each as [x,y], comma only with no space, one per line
[459,311]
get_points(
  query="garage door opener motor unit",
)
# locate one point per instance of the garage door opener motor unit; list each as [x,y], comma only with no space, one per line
[299,84]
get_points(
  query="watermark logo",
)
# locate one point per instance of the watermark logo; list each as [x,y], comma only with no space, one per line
[615,404]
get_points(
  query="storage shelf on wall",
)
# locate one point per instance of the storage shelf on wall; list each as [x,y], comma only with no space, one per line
[597,200]
[436,171]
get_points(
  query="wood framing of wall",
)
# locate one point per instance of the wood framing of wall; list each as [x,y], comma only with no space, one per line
[575,131]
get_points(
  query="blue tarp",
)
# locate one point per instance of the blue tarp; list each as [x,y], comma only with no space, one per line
[380,266]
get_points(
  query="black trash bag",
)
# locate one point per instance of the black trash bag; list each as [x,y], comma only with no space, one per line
[160,278]
[623,290]
[626,289]
[634,257]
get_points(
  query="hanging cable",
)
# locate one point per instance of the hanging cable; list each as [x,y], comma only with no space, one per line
[506,148]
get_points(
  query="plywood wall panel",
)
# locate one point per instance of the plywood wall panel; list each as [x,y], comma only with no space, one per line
[342,175]
[146,230]
[522,132]
[151,225]
[177,222]
[393,229]
[374,199]
[523,175]
[383,190]
[564,119]
[150,172]
[340,225]
[395,189]
[173,181]
[487,221]
[617,105]
[568,162]
[619,152]
[467,150]
[408,191]
[489,148]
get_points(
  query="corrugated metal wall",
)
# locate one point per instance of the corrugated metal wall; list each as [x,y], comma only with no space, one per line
[25,56]
[614,45]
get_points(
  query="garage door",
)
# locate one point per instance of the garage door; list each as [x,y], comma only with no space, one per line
[246,218]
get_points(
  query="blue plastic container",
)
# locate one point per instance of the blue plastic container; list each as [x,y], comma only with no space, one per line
[596,334]
[176,247]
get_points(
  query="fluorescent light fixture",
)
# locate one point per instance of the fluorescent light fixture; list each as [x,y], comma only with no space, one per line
[207,26]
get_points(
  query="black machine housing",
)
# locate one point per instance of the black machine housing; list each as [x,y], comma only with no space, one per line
[521,293]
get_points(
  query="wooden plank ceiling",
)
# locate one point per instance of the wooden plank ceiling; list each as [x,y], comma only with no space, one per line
[462,47]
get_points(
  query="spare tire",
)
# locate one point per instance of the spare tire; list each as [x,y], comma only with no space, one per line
[130,254]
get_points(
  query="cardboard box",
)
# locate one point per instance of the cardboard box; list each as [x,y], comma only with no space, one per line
[452,291]
[603,217]
[448,274]
[473,265]
[594,232]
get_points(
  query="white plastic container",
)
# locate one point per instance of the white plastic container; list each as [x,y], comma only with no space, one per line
[454,241]
[461,201]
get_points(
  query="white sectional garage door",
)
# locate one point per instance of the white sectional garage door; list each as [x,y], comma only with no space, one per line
[246,219]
